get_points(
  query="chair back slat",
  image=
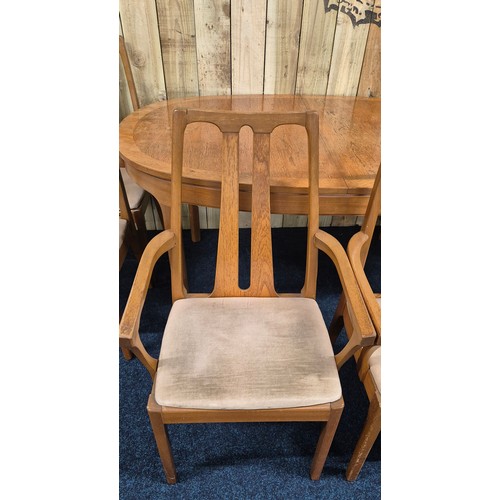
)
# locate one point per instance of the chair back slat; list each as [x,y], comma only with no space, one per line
[226,274]
[128,74]
[261,274]
[261,258]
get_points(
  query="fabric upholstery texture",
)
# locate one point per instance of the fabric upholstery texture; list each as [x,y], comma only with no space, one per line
[122,229]
[374,364]
[374,361]
[134,192]
[246,353]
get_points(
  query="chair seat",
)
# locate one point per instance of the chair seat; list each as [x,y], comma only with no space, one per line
[374,364]
[374,360]
[121,230]
[212,355]
[134,192]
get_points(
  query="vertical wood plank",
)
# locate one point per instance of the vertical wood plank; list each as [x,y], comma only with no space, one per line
[213,217]
[125,103]
[315,53]
[149,217]
[294,220]
[248,40]
[343,220]
[213,46]
[325,220]
[347,57]
[282,45]
[140,31]
[178,45]
[276,220]
[202,214]
[157,220]
[245,219]
[369,82]
[185,216]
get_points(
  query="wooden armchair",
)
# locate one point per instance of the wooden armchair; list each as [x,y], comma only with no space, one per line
[245,355]
[139,199]
[369,358]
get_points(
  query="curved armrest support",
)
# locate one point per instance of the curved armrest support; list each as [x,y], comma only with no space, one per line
[129,324]
[364,332]
[354,250]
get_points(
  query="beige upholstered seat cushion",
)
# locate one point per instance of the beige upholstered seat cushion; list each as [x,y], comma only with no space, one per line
[246,353]
[122,229]
[374,364]
[374,361]
[134,192]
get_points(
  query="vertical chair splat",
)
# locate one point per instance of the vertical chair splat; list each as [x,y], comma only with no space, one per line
[226,277]
[262,276]
[261,265]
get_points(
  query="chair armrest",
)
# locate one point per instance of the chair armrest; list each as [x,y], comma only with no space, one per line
[354,249]
[363,330]
[129,324]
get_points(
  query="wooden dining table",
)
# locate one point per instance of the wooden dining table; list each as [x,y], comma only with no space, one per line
[349,153]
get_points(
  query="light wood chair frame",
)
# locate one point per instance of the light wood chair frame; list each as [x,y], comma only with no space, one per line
[194,215]
[131,238]
[261,273]
[138,213]
[357,251]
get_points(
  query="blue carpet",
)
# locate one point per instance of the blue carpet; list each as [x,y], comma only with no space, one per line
[243,460]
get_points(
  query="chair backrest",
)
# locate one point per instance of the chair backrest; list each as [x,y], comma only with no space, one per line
[128,74]
[261,260]
[357,251]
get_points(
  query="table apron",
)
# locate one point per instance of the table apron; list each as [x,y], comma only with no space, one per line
[281,202]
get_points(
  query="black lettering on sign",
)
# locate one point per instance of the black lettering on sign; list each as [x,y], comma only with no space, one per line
[359,11]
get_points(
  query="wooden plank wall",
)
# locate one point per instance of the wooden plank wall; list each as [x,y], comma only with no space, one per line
[182,48]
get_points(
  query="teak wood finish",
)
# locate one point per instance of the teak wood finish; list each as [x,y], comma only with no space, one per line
[261,275]
[357,251]
[140,211]
[349,153]
[131,238]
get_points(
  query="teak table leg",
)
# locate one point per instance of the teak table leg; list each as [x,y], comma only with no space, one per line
[194,223]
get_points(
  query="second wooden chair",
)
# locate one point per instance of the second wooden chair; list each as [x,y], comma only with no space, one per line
[369,358]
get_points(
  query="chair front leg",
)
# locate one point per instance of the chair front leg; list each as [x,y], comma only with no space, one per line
[162,441]
[369,434]
[325,439]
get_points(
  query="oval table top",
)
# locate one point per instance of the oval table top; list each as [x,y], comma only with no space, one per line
[349,154]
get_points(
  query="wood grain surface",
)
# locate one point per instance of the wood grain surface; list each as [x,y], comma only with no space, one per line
[349,152]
